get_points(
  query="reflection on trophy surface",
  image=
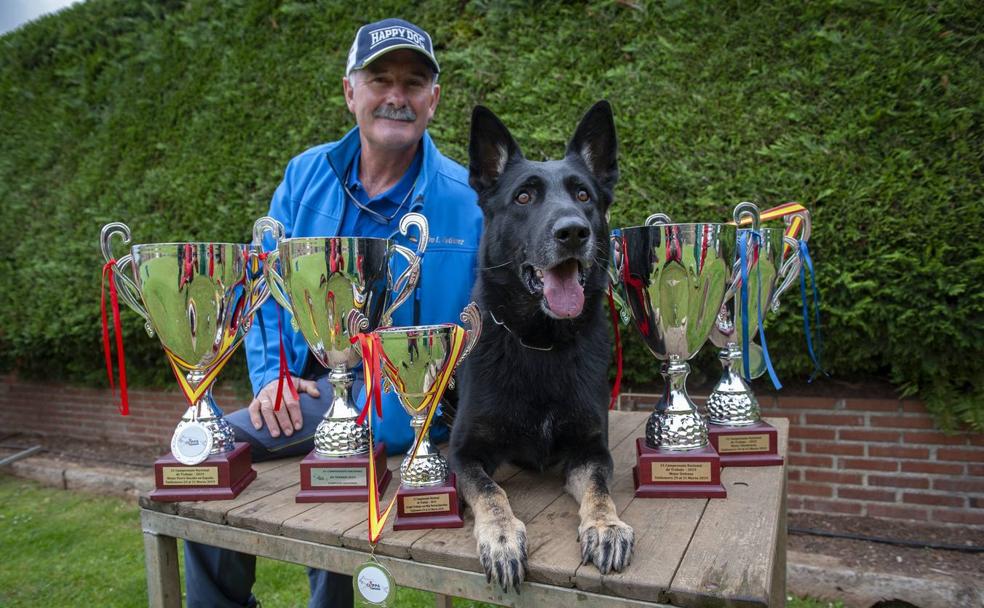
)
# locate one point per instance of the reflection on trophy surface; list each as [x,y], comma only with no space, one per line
[736,429]
[199,300]
[336,288]
[673,278]
[418,362]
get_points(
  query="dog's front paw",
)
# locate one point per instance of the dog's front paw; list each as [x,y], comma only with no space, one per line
[606,542]
[502,551]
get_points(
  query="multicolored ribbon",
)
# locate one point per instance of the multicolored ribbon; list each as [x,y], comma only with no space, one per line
[756,239]
[283,373]
[109,268]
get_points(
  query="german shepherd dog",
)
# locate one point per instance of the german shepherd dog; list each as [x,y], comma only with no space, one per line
[535,389]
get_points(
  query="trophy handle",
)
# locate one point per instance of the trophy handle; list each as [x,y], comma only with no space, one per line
[128,290]
[407,281]
[615,259]
[472,318]
[275,282]
[789,272]
[743,210]
[261,288]
[267,224]
[658,219]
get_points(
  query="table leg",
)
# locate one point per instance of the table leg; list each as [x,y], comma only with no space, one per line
[161,556]
[442,601]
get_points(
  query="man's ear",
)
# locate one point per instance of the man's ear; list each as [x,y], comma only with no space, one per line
[490,150]
[596,144]
[348,91]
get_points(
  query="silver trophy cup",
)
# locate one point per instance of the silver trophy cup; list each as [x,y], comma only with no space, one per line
[335,288]
[199,300]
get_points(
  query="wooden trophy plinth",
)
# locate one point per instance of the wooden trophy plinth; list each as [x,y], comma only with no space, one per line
[753,445]
[219,477]
[425,508]
[677,473]
[343,479]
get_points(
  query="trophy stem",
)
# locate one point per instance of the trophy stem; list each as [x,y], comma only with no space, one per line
[676,425]
[429,467]
[207,413]
[732,401]
[339,434]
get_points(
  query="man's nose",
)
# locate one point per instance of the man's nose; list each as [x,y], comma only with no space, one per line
[571,232]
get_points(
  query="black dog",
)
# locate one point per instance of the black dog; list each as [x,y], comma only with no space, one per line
[535,389]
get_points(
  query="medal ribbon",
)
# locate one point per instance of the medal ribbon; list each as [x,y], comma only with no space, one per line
[194,393]
[804,253]
[109,269]
[616,388]
[377,517]
[283,375]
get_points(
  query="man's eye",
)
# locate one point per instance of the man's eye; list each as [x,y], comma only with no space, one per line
[583,196]
[523,198]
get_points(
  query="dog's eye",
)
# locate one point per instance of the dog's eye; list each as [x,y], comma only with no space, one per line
[523,198]
[583,196]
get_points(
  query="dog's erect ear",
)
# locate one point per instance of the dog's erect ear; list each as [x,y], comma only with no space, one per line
[490,150]
[595,143]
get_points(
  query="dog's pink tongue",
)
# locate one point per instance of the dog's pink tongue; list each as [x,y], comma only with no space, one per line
[563,292]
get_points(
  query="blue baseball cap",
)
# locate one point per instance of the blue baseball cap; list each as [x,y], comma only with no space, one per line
[374,40]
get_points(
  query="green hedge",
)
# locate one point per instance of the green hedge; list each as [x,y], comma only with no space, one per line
[179,117]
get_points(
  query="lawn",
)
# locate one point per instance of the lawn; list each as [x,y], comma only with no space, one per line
[72,549]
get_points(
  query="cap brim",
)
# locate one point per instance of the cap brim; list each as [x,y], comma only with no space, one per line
[430,58]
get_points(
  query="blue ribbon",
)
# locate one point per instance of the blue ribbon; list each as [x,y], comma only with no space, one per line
[804,254]
[756,239]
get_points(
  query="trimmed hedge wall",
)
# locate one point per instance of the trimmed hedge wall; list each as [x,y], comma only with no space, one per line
[179,118]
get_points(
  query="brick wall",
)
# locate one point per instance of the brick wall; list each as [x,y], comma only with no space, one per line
[874,457]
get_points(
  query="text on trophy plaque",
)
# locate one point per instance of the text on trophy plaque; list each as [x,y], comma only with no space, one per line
[191,476]
[427,503]
[338,476]
[730,444]
[681,471]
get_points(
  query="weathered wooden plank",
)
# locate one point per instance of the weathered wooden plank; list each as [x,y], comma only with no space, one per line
[267,514]
[731,556]
[161,560]
[271,476]
[555,552]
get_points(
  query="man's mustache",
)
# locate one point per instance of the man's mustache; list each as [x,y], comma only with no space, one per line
[389,112]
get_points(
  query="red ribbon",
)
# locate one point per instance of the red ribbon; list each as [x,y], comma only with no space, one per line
[371,348]
[108,269]
[284,374]
[618,350]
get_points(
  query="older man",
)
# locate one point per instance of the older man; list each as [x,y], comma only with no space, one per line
[360,185]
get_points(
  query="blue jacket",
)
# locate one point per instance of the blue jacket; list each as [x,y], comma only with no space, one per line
[310,202]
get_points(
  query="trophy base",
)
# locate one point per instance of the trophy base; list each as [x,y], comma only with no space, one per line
[219,477]
[677,473]
[425,508]
[343,479]
[753,445]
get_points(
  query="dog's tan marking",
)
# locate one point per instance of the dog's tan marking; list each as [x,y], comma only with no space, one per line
[605,539]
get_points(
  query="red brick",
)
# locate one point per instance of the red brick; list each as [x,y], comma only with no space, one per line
[913,407]
[865,435]
[873,405]
[794,503]
[795,446]
[834,420]
[934,437]
[976,470]
[977,502]
[960,455]
[898,481]
[866,494]
[799,460]
[806,432]
[894,451]
[936,500]
[933,468]
[810,489]
[840,449]
[832,506]
[793,475]
[833,477]
[971,518]
[965,486]
[903,422]
[897,512]
[806,403]
[866,464]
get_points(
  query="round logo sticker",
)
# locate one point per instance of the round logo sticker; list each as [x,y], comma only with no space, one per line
[373,583]
[191,443]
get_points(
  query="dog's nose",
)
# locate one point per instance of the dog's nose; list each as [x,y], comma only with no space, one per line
[571,232]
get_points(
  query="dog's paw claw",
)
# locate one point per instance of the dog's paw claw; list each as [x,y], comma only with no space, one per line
[502,552]
[607,544]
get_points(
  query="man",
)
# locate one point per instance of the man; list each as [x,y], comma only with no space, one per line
[361,185]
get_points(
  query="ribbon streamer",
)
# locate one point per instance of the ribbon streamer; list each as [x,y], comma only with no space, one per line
[616,388]
[804,253]
[109,269]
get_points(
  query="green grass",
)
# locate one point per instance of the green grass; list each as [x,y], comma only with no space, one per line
[73,549]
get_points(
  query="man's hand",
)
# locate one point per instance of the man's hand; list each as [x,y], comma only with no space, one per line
[288,419]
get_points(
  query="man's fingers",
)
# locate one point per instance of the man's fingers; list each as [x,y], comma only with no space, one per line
[294,409]
[254,414]
[307,386]
[270,417]
[284,418]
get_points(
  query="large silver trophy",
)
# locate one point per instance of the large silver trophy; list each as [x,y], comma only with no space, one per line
[336,288]
[418,362]
[673,279]
[736,427]
[199,300]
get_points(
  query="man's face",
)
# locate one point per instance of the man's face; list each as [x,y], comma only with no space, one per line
[393,99]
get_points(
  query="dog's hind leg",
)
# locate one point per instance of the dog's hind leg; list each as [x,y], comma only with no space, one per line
[501,536]
[605,539]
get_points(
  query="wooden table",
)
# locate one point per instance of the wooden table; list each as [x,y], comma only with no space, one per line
[688,552]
